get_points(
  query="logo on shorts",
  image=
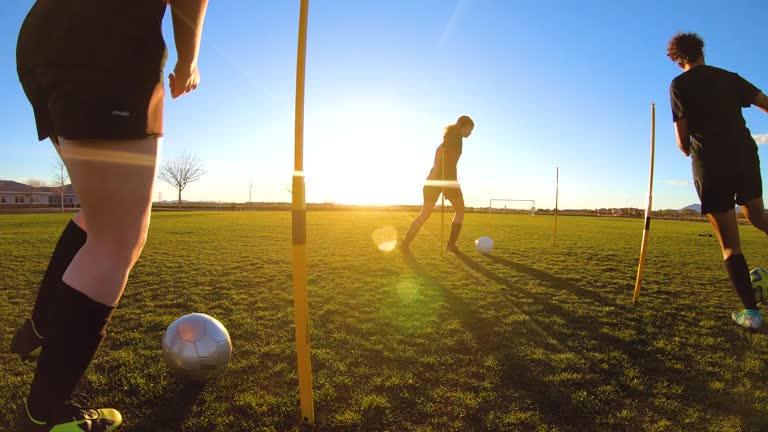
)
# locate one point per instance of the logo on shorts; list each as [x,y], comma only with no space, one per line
[121,113]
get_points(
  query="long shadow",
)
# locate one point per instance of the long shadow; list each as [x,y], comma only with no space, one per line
[638,351]
[168,415]
[549,279]
[517,374]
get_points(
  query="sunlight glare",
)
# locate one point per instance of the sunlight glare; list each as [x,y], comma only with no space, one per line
[385,238]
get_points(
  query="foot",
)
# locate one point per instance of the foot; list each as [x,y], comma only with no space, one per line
[26,342]
[75,418]
[404,247]
[451,247]
[748,318]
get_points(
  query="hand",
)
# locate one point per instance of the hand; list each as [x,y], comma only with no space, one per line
[183,80]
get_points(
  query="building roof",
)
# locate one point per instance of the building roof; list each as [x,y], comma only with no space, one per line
[68,189]
[10,186]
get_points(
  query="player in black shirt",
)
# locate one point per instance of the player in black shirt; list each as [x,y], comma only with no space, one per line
[443,179]
[706,108]
[93,73]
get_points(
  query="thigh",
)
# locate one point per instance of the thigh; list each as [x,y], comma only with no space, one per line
[430,195]
[456,198]
[114,180]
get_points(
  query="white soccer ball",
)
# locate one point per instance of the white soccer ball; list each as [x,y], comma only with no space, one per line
[484,245]
[196,347]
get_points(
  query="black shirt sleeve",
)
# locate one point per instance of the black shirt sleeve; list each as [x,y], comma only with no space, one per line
[745,91]
[676,102]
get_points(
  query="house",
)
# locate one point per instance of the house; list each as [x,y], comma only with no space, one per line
[16,195]
[70,197]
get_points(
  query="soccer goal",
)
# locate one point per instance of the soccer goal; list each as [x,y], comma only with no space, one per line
[503,205]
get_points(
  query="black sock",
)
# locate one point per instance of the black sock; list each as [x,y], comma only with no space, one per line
[455,230]
[738,271]
[71,240]
[78,328]
[412,231]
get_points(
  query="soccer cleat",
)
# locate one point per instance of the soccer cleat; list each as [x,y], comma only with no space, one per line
[748,318]
[76,419]
[27,342]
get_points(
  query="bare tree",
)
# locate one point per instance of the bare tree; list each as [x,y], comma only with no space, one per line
[34,182]
[181,170]
[59,178]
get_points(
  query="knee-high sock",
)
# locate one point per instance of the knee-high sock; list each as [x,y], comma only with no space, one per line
[455,230]
[71,240]
[79,324]
[738,271]
[412,231]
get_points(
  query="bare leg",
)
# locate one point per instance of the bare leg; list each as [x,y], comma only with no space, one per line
[79,217]
[426,212]
[755,213]
[114,180]
[458,220]
[727,229]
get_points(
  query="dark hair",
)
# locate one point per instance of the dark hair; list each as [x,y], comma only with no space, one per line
[460,123]
[685,47]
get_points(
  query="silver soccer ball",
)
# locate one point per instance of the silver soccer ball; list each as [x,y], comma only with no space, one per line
[196,347]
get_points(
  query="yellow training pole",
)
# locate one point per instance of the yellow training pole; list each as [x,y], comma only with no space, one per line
[299,213]
[647,229]
[557,190]
[442,201]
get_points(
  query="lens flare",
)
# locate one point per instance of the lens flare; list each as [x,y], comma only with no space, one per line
[385,238]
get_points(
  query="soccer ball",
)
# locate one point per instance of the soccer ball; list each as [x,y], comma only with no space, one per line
[196,347]
[484,245]
[759,277]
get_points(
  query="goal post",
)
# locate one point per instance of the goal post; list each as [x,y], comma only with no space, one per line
[531,206]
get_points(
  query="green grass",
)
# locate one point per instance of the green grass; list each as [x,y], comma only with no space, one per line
[533,337]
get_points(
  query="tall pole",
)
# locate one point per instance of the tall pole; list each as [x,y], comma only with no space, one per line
[647,227]
[557,191]
[299,224]
[442,199]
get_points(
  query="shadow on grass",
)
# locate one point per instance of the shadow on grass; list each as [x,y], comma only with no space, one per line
[516,376]
[169,415]
[639,349]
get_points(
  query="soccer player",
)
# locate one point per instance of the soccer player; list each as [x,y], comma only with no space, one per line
[93,73]
[443,179]
[706,109]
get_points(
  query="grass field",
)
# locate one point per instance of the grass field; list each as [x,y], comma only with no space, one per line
[532,337]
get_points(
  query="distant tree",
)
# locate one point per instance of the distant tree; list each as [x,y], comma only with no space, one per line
[34,182]
[59,178]
[181,170]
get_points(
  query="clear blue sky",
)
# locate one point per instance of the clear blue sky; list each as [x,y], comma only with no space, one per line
[548,83]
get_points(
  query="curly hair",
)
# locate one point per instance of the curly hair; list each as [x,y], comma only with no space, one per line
[685,47]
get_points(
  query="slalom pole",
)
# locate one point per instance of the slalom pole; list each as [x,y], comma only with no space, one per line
[442,201]
[557,190]
[299,232]
[647,228]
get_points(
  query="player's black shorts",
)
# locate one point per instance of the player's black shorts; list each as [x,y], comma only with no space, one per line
[453,194]
[88,102]
[720,189]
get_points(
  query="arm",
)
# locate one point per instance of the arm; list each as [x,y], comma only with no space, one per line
[683,136]
[761,101]
[188,16]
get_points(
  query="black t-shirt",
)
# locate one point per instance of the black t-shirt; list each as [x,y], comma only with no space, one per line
[451,150]
[710,99]
[92,33]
